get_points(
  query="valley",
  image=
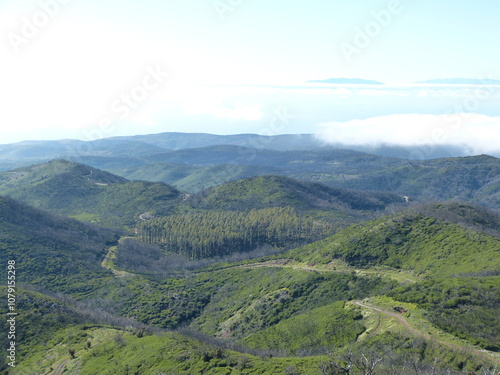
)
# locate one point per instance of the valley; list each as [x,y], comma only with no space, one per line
[144,256]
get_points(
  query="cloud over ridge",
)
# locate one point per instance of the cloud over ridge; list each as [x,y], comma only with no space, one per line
[477,132]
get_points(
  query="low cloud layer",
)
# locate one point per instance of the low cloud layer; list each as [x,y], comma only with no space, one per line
[478,133]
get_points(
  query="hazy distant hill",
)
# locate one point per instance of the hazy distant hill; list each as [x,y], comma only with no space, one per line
[462,81]
[125,152]
[193,179]
[87,193]
[177,141]
[351,81]
[473,179]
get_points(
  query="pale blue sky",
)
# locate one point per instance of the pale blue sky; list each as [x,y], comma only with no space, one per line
[62,79]
[300,40]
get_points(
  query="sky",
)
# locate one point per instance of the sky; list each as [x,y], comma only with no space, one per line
[92,69]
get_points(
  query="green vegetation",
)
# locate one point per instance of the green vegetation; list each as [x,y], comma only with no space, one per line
[193,179]
[470,179]
[219,233]
[224,267]
[410,241]
[58,254]
[466,307]
[38,318]
[87,193]
[273,191]
[323,328]
[106,350]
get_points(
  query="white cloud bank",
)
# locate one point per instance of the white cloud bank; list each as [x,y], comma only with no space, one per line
[479,133]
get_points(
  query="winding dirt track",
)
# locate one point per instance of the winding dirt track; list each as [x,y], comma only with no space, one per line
[106,263]
[485,354]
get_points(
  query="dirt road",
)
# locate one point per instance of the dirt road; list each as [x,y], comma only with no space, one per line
[483,353]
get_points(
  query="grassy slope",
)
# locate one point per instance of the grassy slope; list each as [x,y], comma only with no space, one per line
[99,349]
[116,351]
[323,328]
[39,317]
[466,307]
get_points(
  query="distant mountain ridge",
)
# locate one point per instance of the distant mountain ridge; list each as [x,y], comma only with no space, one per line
[347,81]
[135,151]
[462,81]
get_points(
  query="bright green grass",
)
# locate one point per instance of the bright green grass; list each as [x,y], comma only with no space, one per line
[323,328]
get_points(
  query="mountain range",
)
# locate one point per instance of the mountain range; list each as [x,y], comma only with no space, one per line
[130,151]
[149,256]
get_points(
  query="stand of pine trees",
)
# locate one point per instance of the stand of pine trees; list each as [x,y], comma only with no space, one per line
[209,234]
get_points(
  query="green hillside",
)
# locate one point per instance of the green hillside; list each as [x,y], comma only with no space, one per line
[474,179]
[87,193]
[466,307]
[55,253]
[274,191]
[324,328]
[435,260]
[469,179]
[412,241]
[193,179]
[453,267]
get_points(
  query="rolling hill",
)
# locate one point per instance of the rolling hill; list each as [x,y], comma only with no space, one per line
[206,167]
[426,244]
[193,179]
[473,179]
[274,191]
[87,193]
[312,307]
